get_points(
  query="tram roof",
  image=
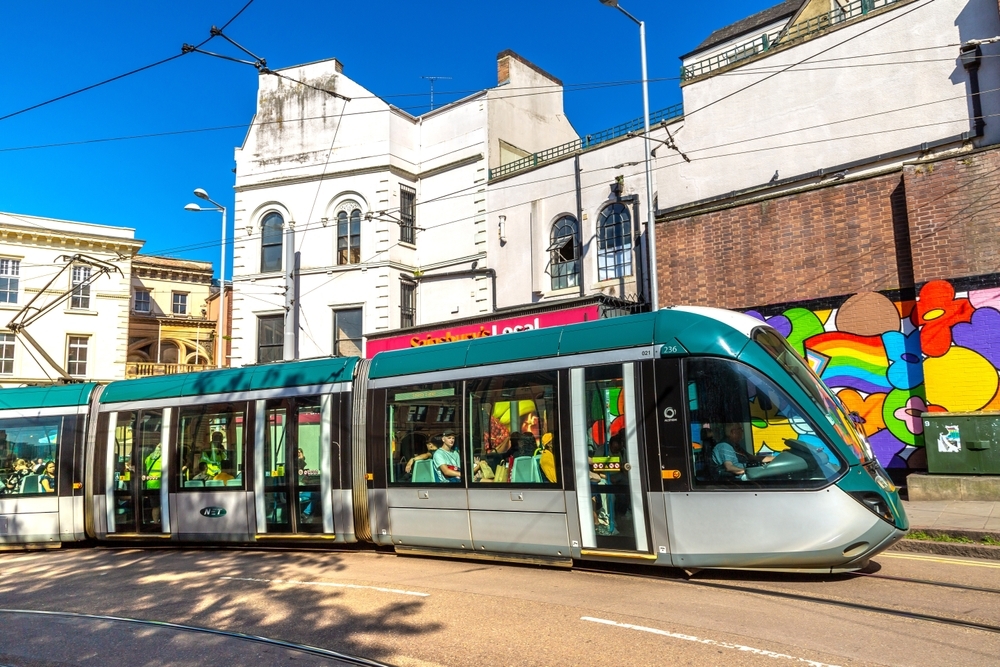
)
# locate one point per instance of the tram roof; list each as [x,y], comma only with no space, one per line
[51,396]
[695,330]
[232,380]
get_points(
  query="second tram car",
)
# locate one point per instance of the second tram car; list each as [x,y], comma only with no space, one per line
[689,437]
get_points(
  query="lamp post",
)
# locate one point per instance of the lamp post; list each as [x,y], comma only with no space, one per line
[650,213]
[221,347]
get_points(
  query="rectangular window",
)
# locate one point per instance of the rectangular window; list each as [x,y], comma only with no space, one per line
[347,326]
[270,338]
[27,448]
[6,353]
[10,270]
[211,446]
[407,304]
[180,303]
[81,289]
[143,304]
[513,429]
[76,355]
[423,434]
[407,214]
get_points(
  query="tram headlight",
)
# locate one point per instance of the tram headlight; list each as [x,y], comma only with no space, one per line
[876,503]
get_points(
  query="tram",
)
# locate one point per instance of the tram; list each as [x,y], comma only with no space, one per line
[688,437]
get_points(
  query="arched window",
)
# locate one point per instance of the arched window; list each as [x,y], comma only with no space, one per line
[348,233]
[270,243]
[565,248]
[614,243]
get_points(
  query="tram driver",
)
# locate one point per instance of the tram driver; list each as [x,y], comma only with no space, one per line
[729,456]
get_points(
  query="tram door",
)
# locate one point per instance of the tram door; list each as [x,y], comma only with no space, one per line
[606,459]
[137,460]
[293,460]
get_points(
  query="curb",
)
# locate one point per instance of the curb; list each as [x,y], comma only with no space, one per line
[975,549]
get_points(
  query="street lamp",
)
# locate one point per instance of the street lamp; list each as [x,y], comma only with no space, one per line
[221,348]
[650,213]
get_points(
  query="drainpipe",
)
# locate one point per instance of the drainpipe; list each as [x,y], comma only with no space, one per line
[468,272]
[971,56]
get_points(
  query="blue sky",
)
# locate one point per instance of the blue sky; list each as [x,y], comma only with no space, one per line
[53,47]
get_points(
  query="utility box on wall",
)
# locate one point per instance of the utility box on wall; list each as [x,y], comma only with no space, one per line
[962,442]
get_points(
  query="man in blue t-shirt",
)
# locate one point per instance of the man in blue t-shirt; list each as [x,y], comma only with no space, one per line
[729,457]
[447,462]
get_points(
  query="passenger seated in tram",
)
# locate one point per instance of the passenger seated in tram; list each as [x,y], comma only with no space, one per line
[202,472]
[729,457]
[13,483]
[547,459]
[226,473]
[447,462]
[48,480]
[413,443]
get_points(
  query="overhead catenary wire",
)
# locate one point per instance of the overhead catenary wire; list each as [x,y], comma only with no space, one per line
[118,77]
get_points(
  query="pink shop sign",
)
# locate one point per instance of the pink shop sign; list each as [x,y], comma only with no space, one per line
[471,331]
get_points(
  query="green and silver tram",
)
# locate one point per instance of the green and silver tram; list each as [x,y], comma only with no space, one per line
[689,437]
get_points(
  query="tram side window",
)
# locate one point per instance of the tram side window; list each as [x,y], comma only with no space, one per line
[211,446]
[424,434]
[513,430]
[746,433]
[28,450]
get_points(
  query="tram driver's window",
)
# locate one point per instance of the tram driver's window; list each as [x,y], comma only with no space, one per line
[746,433]
[424,434]
[211,446]
[513,431]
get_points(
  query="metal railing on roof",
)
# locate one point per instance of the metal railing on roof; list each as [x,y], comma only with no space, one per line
[781,37]
[586,143]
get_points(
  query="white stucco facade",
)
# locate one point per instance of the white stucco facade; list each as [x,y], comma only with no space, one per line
[87,336]
[311,156]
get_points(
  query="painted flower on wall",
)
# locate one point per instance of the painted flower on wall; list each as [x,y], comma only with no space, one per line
[906,369]
[981,334]
[936,312]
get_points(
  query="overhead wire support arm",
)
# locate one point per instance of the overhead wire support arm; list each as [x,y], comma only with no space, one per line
[259,63]
[31,313]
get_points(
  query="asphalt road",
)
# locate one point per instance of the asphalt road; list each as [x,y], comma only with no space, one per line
[415,612]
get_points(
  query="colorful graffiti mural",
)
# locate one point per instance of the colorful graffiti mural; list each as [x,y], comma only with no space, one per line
[891,361]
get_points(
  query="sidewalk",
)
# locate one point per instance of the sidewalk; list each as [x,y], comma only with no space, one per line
[964,528]
[953,515]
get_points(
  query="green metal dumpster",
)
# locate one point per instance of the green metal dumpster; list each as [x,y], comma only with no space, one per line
[962,442]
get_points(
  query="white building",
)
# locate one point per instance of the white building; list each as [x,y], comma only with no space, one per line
[802,93]
[84,328]
[388,210]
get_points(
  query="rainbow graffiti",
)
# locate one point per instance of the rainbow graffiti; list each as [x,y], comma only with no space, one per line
[892,361]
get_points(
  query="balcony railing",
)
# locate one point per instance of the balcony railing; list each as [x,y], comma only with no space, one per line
[588,142]
[142,369]
[782,37]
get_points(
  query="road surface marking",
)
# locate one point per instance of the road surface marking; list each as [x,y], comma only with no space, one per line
[939,559]
[710,642]
[329,584]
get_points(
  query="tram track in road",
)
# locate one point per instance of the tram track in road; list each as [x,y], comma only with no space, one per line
[335,656]
[818,599]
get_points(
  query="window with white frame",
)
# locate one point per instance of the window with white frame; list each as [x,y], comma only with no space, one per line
[81,288]
[348,233]
[76,355]
[565,248]
[6,353]
[347,325]
[614,242]
[407,304]
[143,302]
[10,270]
[180,303]
[271,231]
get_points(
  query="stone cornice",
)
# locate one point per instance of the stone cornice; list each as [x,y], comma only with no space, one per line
[52,238]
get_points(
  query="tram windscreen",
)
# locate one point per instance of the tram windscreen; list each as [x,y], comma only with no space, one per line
[786,356]
[27,447]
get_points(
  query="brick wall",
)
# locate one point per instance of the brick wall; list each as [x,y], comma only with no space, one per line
[830,241]
[954,209]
